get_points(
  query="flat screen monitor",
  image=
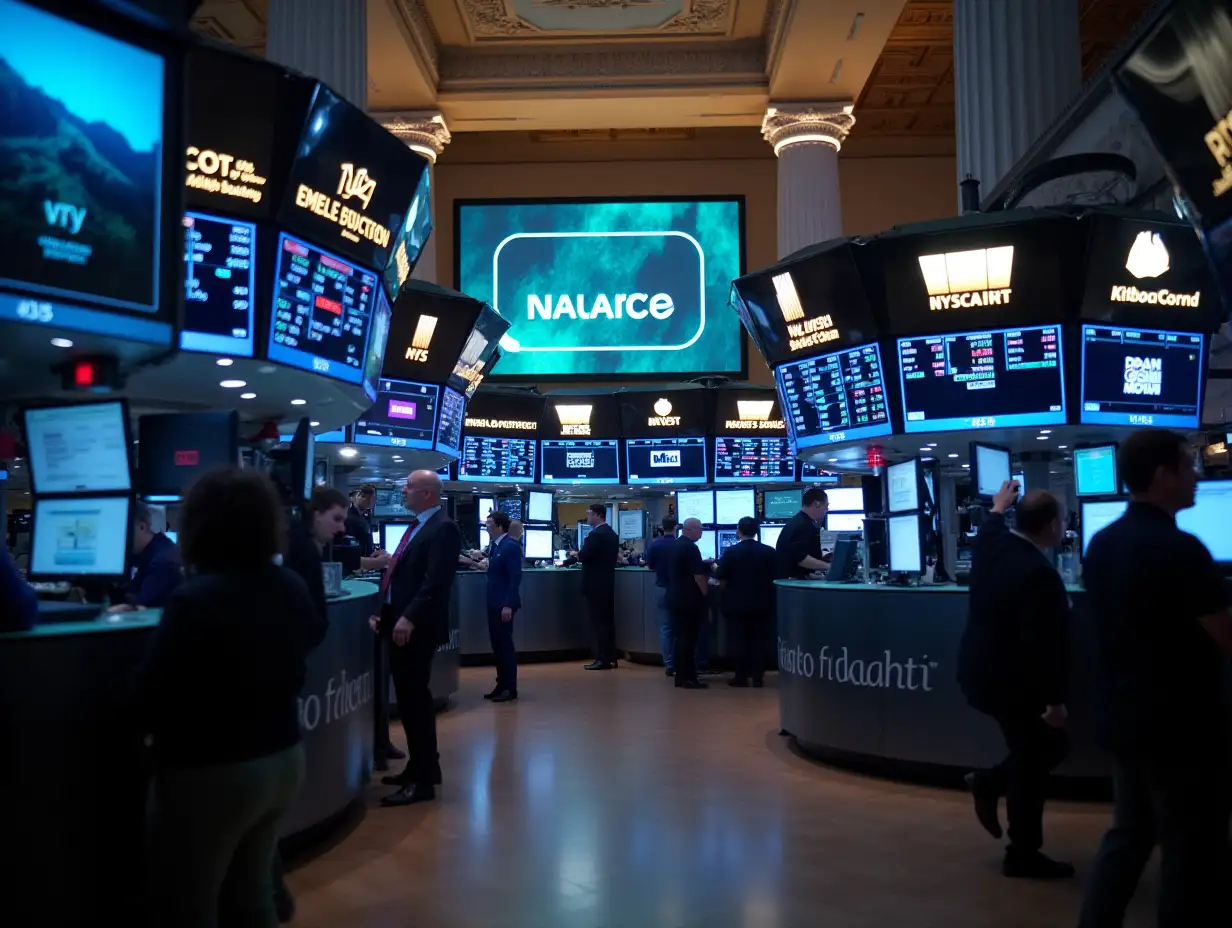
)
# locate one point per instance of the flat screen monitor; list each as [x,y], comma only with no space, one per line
[834,397]
[769,534]
[990,468]
[695,504]
[219,285]
[815,475]
[1095,471]
[177,448]
[743,458]
[730,506]
[1021,480]
[592,460]
[411,238]
[404,416]
[844,522]
[391,535]
[1141,377]
[376,537]
[449,424]
[539,506]
[666,460]
[489,459]
[86,536]
[322,311]
[548,267]
[79,449]
[537,543]
[845,499]
[903,486]
[378,339]
[707,545]
[1095,515]
[906,548]
[781,504]
[82,157]
[1209,518]
[996,378]
[511,506]
[487,506]
[583,529]
[484,538]
[726,538]
[303,453]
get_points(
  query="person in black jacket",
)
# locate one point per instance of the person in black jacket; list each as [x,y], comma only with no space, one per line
[1013,665]
[598,556]
[746,575]
[416,590]
[687,588]
[219,694]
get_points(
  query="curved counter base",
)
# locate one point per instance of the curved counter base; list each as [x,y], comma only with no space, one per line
[867,678]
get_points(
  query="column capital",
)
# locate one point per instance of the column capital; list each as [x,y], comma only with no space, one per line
[788,124]
[424,131]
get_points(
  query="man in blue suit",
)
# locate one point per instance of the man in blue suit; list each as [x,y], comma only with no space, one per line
[504,600]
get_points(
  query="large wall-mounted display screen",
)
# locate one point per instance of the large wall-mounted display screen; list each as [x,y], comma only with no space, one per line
[219,285]
[666,460]
[995,378]
[1141,377]
[835,397]
[322,309]
[746,458]
[581,461]
[81,157]
[497,460]
[404,416]
[607,289]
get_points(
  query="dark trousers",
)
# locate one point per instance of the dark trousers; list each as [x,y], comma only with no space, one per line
[685,626]
[1035,749]
[380,664]
[602,609]
[412,669]
[1181,806]
[750,630]
[500,634]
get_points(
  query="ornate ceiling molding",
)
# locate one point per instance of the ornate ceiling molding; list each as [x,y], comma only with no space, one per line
[424,132]
[788,124]
[497,19]
[423,34]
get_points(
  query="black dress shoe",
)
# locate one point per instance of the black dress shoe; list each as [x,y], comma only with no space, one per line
[1035,866]
[402,779]
[692,684]
[736,681]
[410,794]
[669,672]
[504,696]
[600,665]
[492,695]
[392,753]
[986,799]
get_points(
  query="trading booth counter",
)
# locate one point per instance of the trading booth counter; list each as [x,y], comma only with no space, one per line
[72,786]
[868,675]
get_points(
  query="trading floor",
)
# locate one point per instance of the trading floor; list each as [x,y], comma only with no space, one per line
[615,800]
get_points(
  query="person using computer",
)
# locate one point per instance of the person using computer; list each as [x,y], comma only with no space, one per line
[1163,637]
[746,576]
[18,603]
[156,565]
[1013,665]
[798,550]
[503,602]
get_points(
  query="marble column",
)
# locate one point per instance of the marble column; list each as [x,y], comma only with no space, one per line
[806,138]
[1017,66]
[427,134]
[325,39]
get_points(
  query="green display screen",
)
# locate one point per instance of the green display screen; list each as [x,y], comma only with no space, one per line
[607,289]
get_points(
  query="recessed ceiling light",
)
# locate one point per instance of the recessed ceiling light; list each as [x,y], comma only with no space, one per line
[347,452]
[1045,431]
[232,384]
[932,444]
[966,467]
[248,396]
[62,342]
[299,402]
[224,362]
[1062,447]
[314,424]
[1041,437]
[926,449]
[952,455]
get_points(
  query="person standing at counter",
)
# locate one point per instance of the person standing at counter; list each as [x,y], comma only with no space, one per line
[687,590]
[658,559]
[18,604]
[504,601]
[598,557]
[416,590]
[308,538]
[1163,636]
[359,526]
[156,566]
[746,574]
[1013,665]
[219,694]
[798,551]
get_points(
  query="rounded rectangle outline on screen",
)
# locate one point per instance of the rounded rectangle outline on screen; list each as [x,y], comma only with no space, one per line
[701,255]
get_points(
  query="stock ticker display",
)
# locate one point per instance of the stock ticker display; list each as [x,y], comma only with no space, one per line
[1141,377]
[998,378]
[449,427]
[745,458]
[497,460]
[835,397]
[219,277]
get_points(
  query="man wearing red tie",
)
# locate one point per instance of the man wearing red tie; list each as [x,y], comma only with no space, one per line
[415,616]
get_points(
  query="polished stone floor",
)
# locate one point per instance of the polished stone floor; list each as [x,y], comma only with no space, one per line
[612,799]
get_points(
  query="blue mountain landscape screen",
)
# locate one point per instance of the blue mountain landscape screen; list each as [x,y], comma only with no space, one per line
[81,152]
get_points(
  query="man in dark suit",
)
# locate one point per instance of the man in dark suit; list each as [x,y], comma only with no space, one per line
[687,589]
[1013,666]
[746,575]
[415,617]
[156,563]
[598,558]
[504,600]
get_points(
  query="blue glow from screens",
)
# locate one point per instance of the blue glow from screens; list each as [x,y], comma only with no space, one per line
[1095,472]
[1209,518]
[1141,377]
[77,319]
[219,285]
[836,397]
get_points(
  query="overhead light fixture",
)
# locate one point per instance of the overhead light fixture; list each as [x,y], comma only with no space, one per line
[232,384]
[1045,431]
[952,455]
[296,402]
[833,460]
[966,467]
[224,362]
[248,396]
[926,450]
[62,342]
[1062,447]
[347,452]
[314,424]
[932,444]
[1041,437]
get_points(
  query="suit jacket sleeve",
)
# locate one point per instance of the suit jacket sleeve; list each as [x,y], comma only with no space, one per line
[1045,634]
[513,578]
[590,548]
[159,582]
[431,601]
